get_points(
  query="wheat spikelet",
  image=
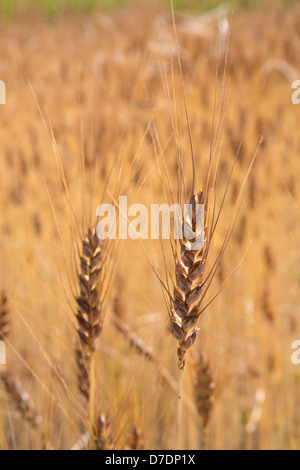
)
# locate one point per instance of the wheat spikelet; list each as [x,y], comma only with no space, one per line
[188,290]
[89,306]
[4,317]
[203,388]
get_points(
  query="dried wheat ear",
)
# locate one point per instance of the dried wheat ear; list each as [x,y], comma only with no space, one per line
[89,305]
[188,291]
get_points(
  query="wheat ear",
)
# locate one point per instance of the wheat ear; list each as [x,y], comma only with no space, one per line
[186,305]
[188,290]
[89,313]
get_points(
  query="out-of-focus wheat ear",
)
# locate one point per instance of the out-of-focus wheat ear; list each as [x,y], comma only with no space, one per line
[12,385]
[135,440]
[89,307]
[21,400]
[267,305]
[204,388]
[136,343]
[103,438]
[4,316]
[119,301]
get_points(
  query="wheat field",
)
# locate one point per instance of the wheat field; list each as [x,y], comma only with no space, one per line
[95,109]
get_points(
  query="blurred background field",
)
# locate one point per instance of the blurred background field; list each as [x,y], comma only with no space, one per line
[98,83]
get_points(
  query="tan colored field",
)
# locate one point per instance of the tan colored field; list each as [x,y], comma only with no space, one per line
[91,96]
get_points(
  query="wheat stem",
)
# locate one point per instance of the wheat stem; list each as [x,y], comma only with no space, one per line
[179,408]
[92,393]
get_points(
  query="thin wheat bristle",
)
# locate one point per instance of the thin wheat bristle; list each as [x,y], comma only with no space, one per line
[188,290]
[4,316]
[203,388]
[89,305]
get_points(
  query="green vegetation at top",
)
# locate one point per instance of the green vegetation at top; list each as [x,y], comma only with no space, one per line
[53,8]
[203,5]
